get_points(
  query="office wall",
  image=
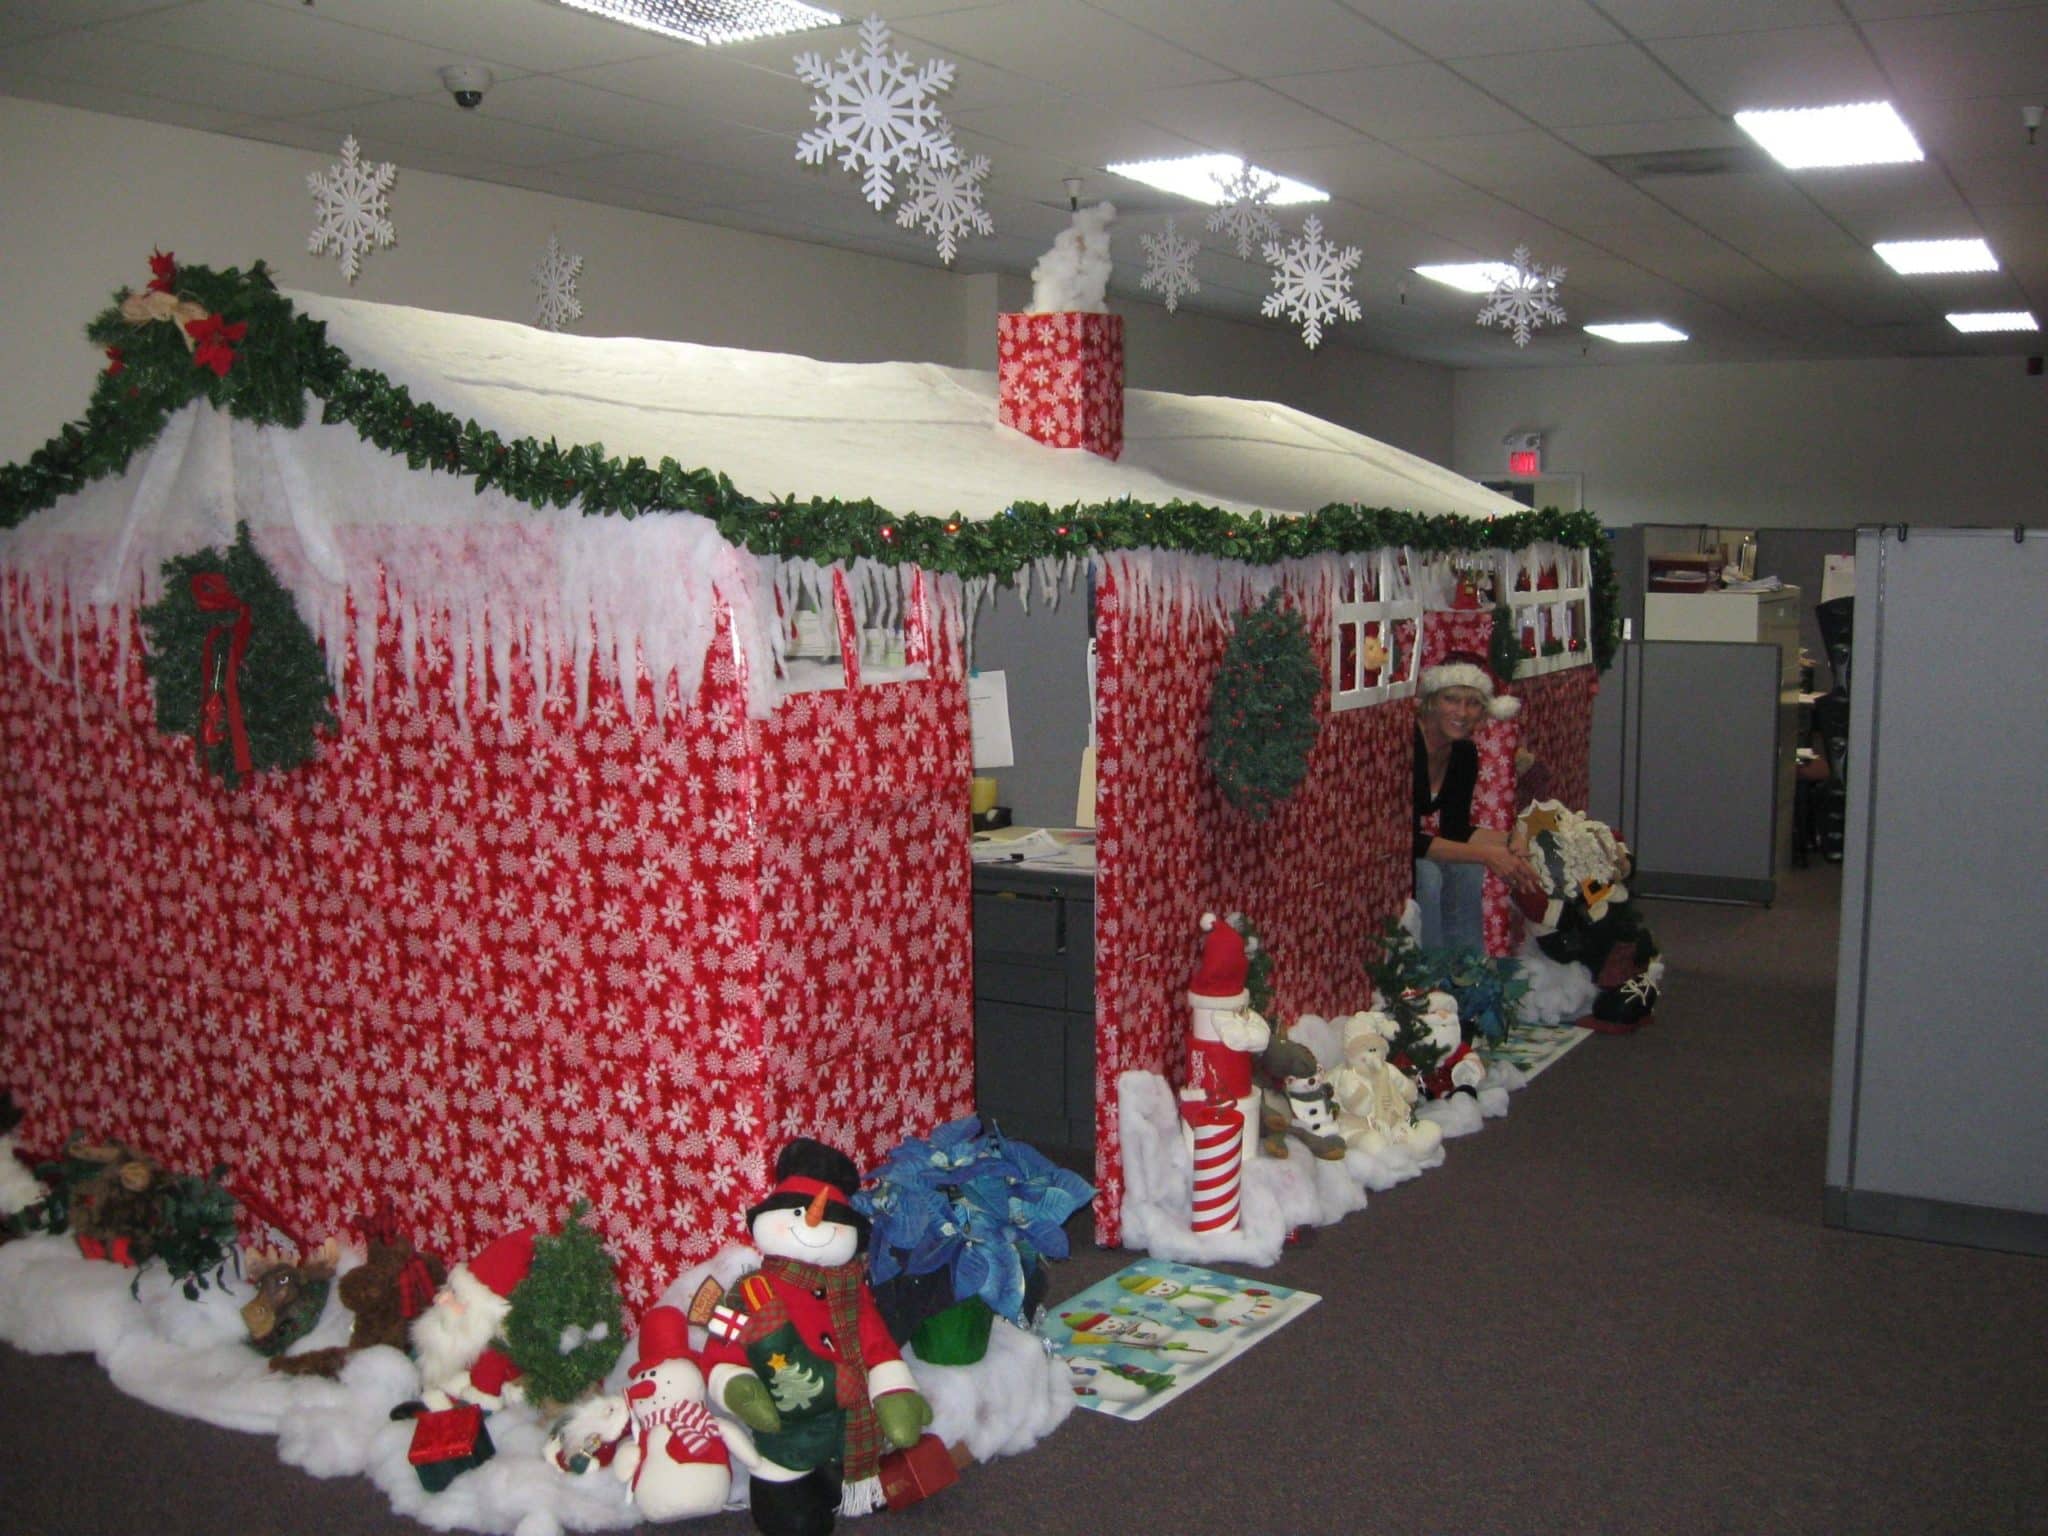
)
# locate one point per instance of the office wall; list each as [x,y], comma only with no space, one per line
[86,196]
[1776,445]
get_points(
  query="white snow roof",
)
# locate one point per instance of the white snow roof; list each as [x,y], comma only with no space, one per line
[913,437]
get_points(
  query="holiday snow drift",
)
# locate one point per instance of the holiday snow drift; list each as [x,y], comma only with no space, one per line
[593,891]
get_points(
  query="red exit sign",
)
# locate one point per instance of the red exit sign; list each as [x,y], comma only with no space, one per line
[1525,461]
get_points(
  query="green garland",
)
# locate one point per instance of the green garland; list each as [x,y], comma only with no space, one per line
[1262,712]
[570,1286]
[283,681]
[267,373]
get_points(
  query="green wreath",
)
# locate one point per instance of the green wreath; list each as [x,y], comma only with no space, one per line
[233,665]
[1262,714]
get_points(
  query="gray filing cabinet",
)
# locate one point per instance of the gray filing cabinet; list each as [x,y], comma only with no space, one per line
[1034,1004]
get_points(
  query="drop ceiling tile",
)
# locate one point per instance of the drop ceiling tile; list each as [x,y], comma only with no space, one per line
[1403,102]
[1276,37]
[21,20]
[1635,138]
[1992,182]
[1089,132]
[1879,10]
[1617,83]
[200,78]
[96,98]
[1534,170]
[1981,53]
[1064,43]
[1452,30]
[700,82]
[632,122]
[402,130]
[1239,117]
[1797,67]
[1696,18]
[1891,197]
[546,35]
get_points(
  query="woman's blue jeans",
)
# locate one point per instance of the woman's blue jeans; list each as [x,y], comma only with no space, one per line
[1449,897]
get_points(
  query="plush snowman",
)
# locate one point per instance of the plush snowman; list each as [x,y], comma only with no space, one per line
[678,1461]
[800,1354]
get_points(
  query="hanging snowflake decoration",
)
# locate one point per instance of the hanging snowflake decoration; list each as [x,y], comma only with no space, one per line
[879,113]
[1311,280]
[555,277]
[349,208]
[1170,265]
[1246,210]
[1524,298]
[946,200]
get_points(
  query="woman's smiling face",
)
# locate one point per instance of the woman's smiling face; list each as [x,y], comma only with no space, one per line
[1455,712]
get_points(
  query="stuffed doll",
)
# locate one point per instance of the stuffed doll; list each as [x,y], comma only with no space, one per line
[19,1188]
[800,1355]
[1296,1101]
[1584,916]
[1375,1099]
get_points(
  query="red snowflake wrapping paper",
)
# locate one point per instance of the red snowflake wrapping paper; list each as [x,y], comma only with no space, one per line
[1319,878]
[1060,379]
[485,968]
[1557,726]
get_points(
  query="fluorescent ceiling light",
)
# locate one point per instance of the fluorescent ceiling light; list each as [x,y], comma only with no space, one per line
[711,21]
[1637,331]
[1470,276]
[1200,178]
[1995,320]
[1809,138]
[1913,258]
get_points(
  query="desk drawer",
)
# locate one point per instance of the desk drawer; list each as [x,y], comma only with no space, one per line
[1035,949]
[1020,1062]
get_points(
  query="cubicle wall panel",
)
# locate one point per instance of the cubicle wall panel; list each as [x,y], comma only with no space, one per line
[1942,1062]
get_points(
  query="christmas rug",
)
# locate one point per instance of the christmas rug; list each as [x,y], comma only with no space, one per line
[1535,1047]
[1137,1340]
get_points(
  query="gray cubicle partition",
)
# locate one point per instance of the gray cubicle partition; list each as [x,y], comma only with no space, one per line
[1937,1127]
[1043,656]
[1684,764]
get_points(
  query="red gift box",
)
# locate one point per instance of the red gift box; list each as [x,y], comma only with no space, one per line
[1060,379]
[448,1443]
[918,1473]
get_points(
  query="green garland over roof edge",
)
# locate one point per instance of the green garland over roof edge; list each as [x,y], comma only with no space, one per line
[265,372]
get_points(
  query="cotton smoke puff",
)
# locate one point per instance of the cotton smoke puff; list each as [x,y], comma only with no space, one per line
[1075,272]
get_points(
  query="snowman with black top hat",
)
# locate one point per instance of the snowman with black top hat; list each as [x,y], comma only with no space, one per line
[799,1352]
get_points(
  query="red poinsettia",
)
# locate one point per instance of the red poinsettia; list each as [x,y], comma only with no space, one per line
[214,340]
[163,268]
[116,364]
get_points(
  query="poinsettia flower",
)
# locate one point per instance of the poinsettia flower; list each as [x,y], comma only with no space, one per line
[163,267]
[116,365]
[214,337]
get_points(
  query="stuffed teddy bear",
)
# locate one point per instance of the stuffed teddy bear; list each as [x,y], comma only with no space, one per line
[1376,1099]
[1295,1101]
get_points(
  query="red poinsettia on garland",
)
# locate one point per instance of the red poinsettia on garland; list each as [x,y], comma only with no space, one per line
[163,267]
[212,337]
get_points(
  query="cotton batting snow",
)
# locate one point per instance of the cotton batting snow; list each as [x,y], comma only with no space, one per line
[193,1358]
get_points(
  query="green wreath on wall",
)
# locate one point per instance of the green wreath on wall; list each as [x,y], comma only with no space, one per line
[232,664]
[1262,712]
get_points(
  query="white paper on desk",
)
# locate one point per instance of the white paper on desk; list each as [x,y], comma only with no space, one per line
[1837,577]
[988,720]
[1035,844]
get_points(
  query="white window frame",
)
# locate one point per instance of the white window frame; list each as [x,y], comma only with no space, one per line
[1552,606]
[1399,680]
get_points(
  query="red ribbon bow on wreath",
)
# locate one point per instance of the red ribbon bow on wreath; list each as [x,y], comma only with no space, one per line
[221,676]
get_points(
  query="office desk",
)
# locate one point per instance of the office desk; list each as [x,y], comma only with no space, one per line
[1034,1003]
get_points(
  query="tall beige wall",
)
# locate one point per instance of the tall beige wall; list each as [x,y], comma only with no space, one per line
[86,197]
[1953,441]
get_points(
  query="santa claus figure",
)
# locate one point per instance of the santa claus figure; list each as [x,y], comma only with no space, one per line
[678,1459]
[1220,1103]
[1459,1068]
[800,1354]
[457,1341]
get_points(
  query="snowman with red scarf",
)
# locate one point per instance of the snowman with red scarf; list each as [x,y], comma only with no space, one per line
[678,1457]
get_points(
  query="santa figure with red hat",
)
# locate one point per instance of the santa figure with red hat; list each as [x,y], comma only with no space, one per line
[678,1458]
[458,1341]
[1219,1105]
[800,1354]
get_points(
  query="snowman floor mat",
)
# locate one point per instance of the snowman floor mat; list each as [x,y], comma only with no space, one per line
[1149,1332]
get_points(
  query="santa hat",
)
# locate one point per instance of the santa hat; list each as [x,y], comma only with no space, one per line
[806,1169]
[1468,669]
[664,1336]
[1219,981]
[490,1278]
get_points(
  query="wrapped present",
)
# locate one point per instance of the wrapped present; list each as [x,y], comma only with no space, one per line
[1060,379]
[910,1476]
[448,1443]
[117,1251]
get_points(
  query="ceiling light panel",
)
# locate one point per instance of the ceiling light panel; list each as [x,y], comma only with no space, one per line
[1815,138]
[1995,320]
[1200,178]
[1919,258]
[708,22]
[1634,332]
[1470,276]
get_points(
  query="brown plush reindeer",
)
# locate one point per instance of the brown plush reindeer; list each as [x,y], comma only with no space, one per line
[386,1292]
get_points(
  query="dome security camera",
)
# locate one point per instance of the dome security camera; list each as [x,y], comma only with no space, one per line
[467,84]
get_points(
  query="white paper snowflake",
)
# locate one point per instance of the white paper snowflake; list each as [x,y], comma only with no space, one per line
[1311,280]
[877,111]
[1524,298]
[555,276]
[1170,265]
[349,208]
[946,200]
[1245,211]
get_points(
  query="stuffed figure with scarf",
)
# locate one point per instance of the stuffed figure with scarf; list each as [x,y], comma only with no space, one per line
[799,1353]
